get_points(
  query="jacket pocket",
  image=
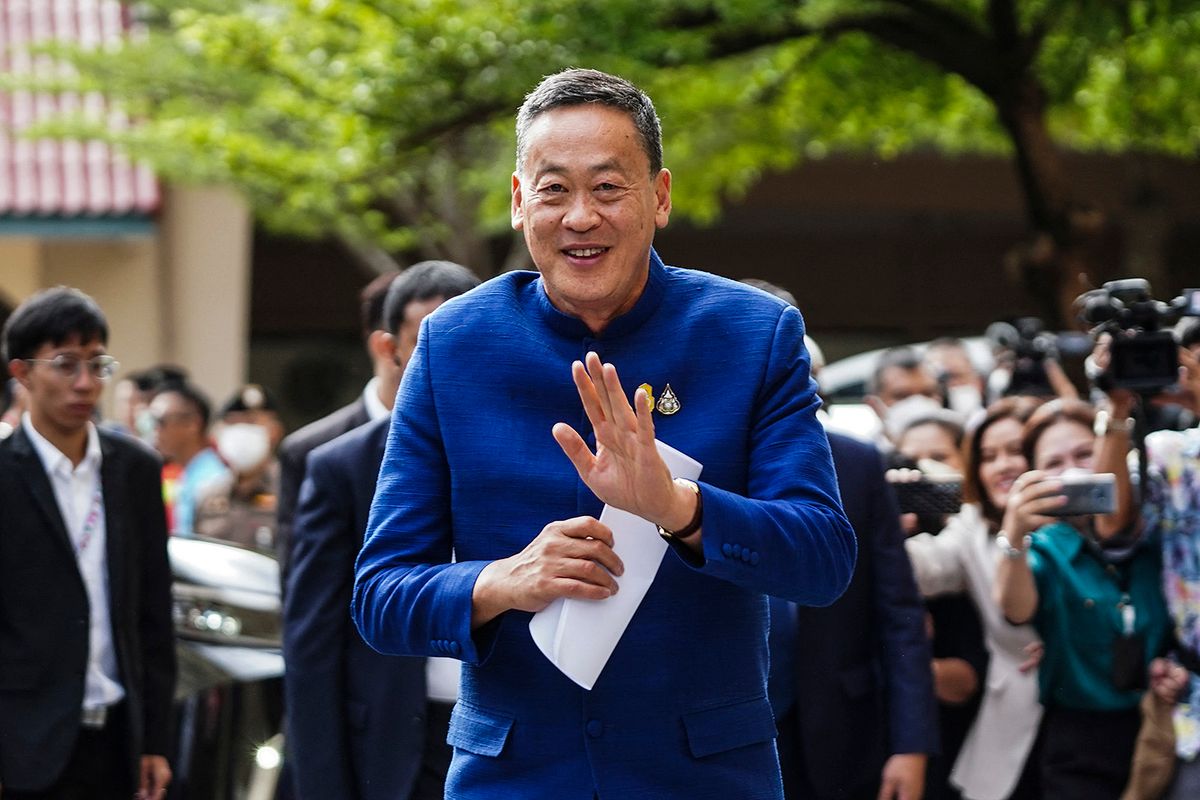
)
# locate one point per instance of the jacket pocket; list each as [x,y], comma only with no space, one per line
[716,730]
[477,731]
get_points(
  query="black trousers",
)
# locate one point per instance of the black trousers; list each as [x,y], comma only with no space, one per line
[97,770]
[435,761]
[1086,754]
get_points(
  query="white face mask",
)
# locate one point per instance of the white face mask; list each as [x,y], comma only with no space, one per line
[965,399]
[903,412]
[244,446]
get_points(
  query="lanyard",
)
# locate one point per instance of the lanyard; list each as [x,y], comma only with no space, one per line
[91,522]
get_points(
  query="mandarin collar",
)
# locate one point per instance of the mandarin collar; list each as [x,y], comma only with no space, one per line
[627,323]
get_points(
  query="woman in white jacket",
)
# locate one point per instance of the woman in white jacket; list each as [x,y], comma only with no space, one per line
[992,764]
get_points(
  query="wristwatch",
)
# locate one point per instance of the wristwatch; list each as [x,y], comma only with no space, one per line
[697,518]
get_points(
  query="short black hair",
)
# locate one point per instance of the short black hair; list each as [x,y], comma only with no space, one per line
[191,395]
[1189,333]
[157,378]
[53,316]
[425,281]
[576,87]
[370,302]
[904,358]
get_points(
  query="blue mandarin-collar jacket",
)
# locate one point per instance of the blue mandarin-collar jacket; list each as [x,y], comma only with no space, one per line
[472,471]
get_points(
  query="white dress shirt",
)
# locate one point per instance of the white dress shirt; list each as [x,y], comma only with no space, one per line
[77,490]
[441,674]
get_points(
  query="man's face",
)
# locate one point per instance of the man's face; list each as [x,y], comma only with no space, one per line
[60,403]
[406,334]
[589,207]
[898,383]
[177,427]
[955,364]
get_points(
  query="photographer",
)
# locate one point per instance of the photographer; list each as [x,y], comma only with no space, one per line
[1099,612]
[994,761]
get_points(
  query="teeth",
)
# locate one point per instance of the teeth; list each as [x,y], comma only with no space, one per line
[590,251]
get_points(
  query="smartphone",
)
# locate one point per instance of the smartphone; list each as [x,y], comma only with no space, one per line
[1087,494]
[933,494]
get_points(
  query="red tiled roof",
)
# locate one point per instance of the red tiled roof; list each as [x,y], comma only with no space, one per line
[63,178]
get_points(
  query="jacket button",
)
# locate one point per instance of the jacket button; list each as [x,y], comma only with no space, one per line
[737,551]
[455,648]
[727,549]
[746,556]
[754,559]
[595,728]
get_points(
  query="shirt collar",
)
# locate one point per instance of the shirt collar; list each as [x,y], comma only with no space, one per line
[627,323]
[54,460]
[1063,537]
[375,407]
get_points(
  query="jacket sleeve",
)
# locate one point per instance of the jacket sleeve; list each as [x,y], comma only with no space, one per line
[788,537]
[409,599]
[316,623]
[937,561]
[157,629]
[906,654]
[291,474]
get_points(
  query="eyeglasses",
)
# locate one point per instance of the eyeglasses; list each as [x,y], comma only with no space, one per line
[68,365]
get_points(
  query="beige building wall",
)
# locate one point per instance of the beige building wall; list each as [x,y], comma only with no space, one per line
[205,235]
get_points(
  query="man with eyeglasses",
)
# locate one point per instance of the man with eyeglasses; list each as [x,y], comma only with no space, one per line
[87,659]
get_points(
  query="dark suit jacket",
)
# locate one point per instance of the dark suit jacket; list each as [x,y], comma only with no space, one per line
[356,719]
[863,686]
[293,451]
[44,619]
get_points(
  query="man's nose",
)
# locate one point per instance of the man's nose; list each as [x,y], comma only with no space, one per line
[84,379]
[581,213]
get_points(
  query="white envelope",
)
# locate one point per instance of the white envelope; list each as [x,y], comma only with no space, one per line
[579,636]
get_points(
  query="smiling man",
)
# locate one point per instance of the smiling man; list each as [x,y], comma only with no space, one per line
[87,647]
[534,400]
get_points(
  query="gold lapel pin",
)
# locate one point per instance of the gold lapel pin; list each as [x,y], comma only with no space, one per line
[668,403]
[649,390]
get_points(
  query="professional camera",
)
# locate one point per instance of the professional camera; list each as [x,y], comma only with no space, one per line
[1028,344]
[1144,357]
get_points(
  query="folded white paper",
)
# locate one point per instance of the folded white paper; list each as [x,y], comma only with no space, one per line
[578,636]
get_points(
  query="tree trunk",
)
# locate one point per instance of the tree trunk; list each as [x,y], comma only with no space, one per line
[1056,264]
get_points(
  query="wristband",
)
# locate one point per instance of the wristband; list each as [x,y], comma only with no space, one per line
[697,518]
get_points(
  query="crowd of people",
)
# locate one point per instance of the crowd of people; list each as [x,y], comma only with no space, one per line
[971,639]
[1087,621]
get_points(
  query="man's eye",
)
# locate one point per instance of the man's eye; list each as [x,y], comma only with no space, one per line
[553,188]
[607,187]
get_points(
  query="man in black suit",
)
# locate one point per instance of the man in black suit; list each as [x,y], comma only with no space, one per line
[87,648]
[375,402]
[851,684]
[361,725]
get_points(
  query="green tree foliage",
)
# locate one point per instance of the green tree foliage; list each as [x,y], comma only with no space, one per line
[388,122]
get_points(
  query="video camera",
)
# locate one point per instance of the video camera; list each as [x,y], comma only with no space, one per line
[1144,357]
[1028,345]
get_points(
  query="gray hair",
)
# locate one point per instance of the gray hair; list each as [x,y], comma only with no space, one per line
[574,87]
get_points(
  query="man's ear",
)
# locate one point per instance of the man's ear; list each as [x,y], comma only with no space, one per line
[382,345]
[19,370]
[662,197]
[517,208]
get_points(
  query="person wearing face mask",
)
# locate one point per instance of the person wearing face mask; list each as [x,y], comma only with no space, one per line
[241,507]
[1100,612]
[994,760]
[962,384]
[902,389]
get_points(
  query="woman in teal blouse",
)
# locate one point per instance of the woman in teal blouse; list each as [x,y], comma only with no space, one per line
[1100,612]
